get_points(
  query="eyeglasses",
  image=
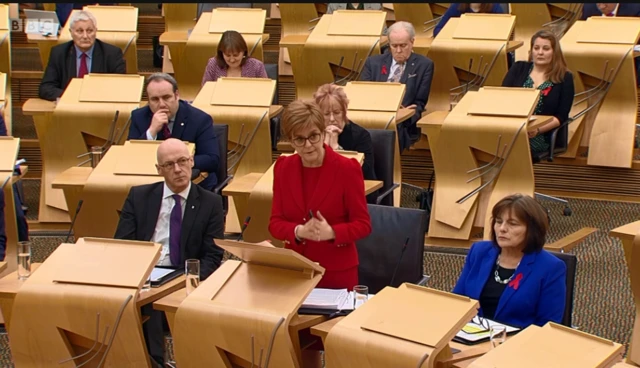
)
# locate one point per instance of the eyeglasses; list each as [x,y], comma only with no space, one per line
[183,162]
[480,322]
[301,141]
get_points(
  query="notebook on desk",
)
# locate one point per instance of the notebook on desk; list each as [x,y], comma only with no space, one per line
[332,302]
[162,275]
[473,333]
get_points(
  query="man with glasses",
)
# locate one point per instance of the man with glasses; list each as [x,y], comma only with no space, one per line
[184,218]
[82,55]
[402,65]
[167,116]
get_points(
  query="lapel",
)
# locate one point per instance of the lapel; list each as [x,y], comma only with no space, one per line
[97,59]
[386,63]
[328,175]
[295,187]
[409,68]
[525,268]
[155,202]
[71,61]
[486,270]
[180,120]
[190,211]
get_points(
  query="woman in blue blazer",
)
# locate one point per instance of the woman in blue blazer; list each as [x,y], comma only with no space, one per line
[516,281]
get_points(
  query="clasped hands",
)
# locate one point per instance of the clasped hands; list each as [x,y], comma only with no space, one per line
[331,136]
[316,229]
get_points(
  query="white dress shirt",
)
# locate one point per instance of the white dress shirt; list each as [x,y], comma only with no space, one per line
[161,233]
[394,66]
[614,12]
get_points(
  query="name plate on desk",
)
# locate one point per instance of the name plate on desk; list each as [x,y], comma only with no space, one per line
[496,27]
[504,101]
[611,30]
[240,20]
[115,18]
[374,96]
[243,92]
[139,157]
[118,88]
[356,23]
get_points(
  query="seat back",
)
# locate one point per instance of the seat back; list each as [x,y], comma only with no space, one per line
[383,159]
[562,140]
[380,252]
[571,261]
[221,131]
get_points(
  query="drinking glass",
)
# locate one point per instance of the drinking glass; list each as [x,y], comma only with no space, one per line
[192,272]
[497,335]
[24,260]
[360,295]
[147,285]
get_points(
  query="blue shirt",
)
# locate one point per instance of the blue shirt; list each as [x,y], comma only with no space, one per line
[79,56]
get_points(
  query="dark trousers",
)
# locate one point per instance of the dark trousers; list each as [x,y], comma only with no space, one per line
[153,331]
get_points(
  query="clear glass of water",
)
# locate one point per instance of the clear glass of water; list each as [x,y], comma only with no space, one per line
[360,295]
[147,285]
[24,260]
[192,272]
[497,335]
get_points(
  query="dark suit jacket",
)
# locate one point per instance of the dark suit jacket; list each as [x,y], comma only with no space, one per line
[557,102]
[417,78]
[191,124]
[538,298]
[202,222]
[356,138]
[624,10]
[339,196]
[106,59]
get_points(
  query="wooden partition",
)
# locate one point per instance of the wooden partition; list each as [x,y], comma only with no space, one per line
[178,17]
[5,68]
[81,119]
[423,20]
[83,300]
[9,147]
[599,53]
[191,51]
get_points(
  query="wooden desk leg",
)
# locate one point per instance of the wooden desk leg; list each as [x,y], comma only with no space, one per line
[6,305]
[171,316]
[442,355]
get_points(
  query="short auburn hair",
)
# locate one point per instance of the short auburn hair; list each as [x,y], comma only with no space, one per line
[329,91]
[231,41]
[299,115]
[528,211]
[558,67]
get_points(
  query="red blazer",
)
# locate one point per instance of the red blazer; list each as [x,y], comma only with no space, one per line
[339,196]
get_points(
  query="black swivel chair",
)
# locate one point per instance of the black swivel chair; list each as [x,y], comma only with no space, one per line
[571,261]
[272,73]
[221,132]
[559,143]
[381,254]
[383,159]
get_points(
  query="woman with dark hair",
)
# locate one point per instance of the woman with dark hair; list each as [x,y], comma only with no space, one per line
[232,60]
[457,9]
[516,281]
[547,72]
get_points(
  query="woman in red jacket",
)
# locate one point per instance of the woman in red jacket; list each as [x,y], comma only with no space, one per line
[319,207]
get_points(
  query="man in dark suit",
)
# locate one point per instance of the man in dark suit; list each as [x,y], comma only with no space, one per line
[402,65]
[166,116]
[614,10]
[184,218]
[83,55]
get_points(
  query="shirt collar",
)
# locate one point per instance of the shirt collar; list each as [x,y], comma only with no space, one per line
[614,11]
[89,53]
[166,192]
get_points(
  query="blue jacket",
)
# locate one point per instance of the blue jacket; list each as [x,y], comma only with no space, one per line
[191,124]
[454,12]
[538,297]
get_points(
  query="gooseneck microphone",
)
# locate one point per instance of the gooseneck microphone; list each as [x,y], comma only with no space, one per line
[404,247]
[75,216]
[244,227]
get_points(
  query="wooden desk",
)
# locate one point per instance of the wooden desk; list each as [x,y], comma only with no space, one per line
[626,233]
[170,303]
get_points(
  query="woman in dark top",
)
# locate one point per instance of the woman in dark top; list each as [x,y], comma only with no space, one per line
[546,71]
[516,281]
[457,9]
[341,133]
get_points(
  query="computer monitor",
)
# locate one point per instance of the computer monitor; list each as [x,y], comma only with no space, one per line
[41,22]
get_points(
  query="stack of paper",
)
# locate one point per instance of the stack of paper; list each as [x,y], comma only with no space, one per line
[328,299]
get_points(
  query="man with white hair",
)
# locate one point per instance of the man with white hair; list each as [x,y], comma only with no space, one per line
[402,65]
[83,55]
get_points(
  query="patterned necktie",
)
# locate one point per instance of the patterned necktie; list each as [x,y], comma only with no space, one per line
[83,66]
[175,228]
[397,74]
[166,132]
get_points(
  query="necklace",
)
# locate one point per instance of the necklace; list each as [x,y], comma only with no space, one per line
[496,276]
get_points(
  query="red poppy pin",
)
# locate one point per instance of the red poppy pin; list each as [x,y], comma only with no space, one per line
[384,70]
[546,91]
[515,283]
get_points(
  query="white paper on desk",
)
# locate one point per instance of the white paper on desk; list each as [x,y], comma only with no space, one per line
[482,335]
[158,273]
[636,48]
[326,299]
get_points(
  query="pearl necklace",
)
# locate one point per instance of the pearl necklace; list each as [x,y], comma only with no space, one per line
[496,276]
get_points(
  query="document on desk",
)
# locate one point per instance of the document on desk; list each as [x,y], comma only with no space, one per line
[333,299]
[473,332]
[158,273]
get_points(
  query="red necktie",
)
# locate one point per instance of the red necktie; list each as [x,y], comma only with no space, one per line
[610,15]
[166,132]
[83,66]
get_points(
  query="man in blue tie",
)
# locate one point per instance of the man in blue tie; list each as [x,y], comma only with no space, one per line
[167,116]
[184,218]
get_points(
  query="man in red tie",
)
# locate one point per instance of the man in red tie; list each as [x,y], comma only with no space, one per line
[83,55]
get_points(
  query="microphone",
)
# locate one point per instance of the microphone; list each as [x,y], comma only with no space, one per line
[244,227]
[75,216]
[406,242]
